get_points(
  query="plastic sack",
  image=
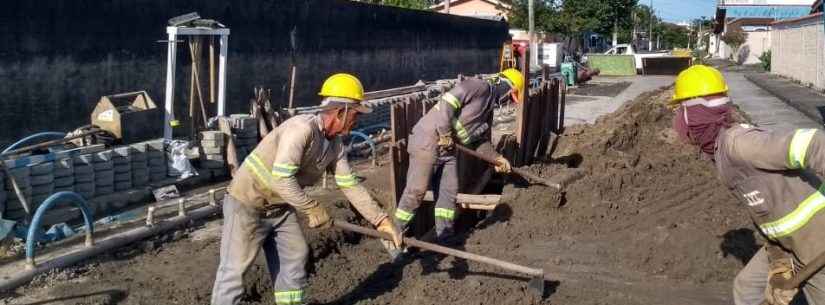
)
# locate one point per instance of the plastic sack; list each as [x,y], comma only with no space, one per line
[178,163]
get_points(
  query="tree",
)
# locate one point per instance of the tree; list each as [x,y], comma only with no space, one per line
[734,37]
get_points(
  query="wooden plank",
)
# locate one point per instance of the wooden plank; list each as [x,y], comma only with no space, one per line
[469,198]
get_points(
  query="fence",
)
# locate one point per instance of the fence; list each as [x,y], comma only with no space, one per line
[798,50]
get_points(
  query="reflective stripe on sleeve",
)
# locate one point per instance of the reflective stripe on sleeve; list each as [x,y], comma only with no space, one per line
[461,132]
[799,147]
[253,162]
[444,213]
[403,215]
[796,219]
[452,100]
[284,170]
[289,297]
[346,181]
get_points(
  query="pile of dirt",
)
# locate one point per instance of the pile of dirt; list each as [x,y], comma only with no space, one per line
[648,224]
[600,89]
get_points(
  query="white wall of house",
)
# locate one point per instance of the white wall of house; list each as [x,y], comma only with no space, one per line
[757,43]
[798,50]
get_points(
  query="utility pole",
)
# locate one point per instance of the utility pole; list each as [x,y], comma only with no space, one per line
[447,6]
[650,34]
[615,31]
[532,33]
[633,37]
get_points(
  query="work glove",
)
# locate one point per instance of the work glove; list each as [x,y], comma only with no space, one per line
[503,165]
[782,268]
[316,215]
[445,143]
[388,227]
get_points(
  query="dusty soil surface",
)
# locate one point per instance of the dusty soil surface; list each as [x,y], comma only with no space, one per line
[600,89]
[648,224]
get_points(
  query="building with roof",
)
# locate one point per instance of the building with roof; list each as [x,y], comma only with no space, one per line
[487,9]
[798,47]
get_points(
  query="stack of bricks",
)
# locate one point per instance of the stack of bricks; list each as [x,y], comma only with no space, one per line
[42,182]
[64,175]
[245,134]
[3,195]
[140,165]
[84,176]
[212,159]
[122,162]
[156,160]
[104,173]
[14,208]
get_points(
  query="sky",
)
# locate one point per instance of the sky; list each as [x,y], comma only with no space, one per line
[682,10]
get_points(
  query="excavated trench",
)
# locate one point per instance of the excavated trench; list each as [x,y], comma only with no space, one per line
[649,223]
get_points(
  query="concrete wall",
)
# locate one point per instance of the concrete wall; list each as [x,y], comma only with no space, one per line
[58,57]
[798,51]
[757,43]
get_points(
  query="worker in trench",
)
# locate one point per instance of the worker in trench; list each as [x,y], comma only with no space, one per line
[463,115]
[773,173]
[266,193]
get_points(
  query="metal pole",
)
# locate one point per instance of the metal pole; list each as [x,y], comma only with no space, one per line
[222,76]
[531,34]
[650,33]
[171,56]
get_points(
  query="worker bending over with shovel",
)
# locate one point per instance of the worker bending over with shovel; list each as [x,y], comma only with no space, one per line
[293,155]
[463,114]
[773,173]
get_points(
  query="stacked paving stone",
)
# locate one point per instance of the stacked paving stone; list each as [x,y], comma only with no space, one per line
[84,176]
[3,195]
[140,165]
[122,163]
[212,160]
[245,133]
[156,160]
[42,182]
[104,173]
[64,175]
[14,208]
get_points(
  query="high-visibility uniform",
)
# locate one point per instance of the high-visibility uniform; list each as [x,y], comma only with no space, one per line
[260,208]
[466,112]
[775,175]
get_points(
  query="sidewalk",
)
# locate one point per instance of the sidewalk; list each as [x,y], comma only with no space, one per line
[804,99]
[765,109]
[586,109]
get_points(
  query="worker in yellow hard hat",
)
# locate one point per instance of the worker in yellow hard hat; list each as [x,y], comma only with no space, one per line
[463,115]
[772,173]
[266,193]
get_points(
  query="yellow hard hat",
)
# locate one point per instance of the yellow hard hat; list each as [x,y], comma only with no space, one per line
[516,80]
[343,85]
[698,81]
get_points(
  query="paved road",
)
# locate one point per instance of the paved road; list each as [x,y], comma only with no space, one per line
[581,109]
[765,109]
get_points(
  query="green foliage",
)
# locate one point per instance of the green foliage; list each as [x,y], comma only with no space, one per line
[765,60]
[572,17]
[734,37]
[699,56]
[411,4]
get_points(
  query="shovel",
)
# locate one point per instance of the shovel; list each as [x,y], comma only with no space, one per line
[527,175]
[537,278]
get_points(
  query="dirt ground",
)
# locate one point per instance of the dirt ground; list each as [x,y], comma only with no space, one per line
[600,89]
[648,224]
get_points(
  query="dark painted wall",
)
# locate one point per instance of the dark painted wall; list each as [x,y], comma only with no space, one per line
[58,57]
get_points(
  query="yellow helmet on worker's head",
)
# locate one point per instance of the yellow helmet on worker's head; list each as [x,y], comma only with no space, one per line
[698,81]
[516,79]
[346,89]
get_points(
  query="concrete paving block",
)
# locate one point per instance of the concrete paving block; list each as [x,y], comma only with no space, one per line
[69,188]
[138,181]
[247,142]
[42,168]
[138,147]
[103,166]
[152,155]
[123,151]
[153,177]
[220,173]
[83,169]
[3,197]
[103,156]
[157,162]
[213,150]
[104,190]
[155,145]
[121,160]
[123,168]
[139,157]
[39,190]
[85,187]
[83,159]
[123,185]
[84,178]
[104,178]
[212,135]
[41,180]
[220,158]
[64,181]
[209,164]
[120,177]
[38,199]
[63,168]
[86,195]
[213,144]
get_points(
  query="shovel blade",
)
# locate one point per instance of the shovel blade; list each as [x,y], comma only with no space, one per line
[536,285]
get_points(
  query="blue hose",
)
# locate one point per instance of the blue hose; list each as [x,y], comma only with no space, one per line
[367,129]
[35,138]
[59,197]
[365,137]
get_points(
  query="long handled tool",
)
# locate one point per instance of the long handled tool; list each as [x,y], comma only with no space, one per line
[518,171]
[536,283]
